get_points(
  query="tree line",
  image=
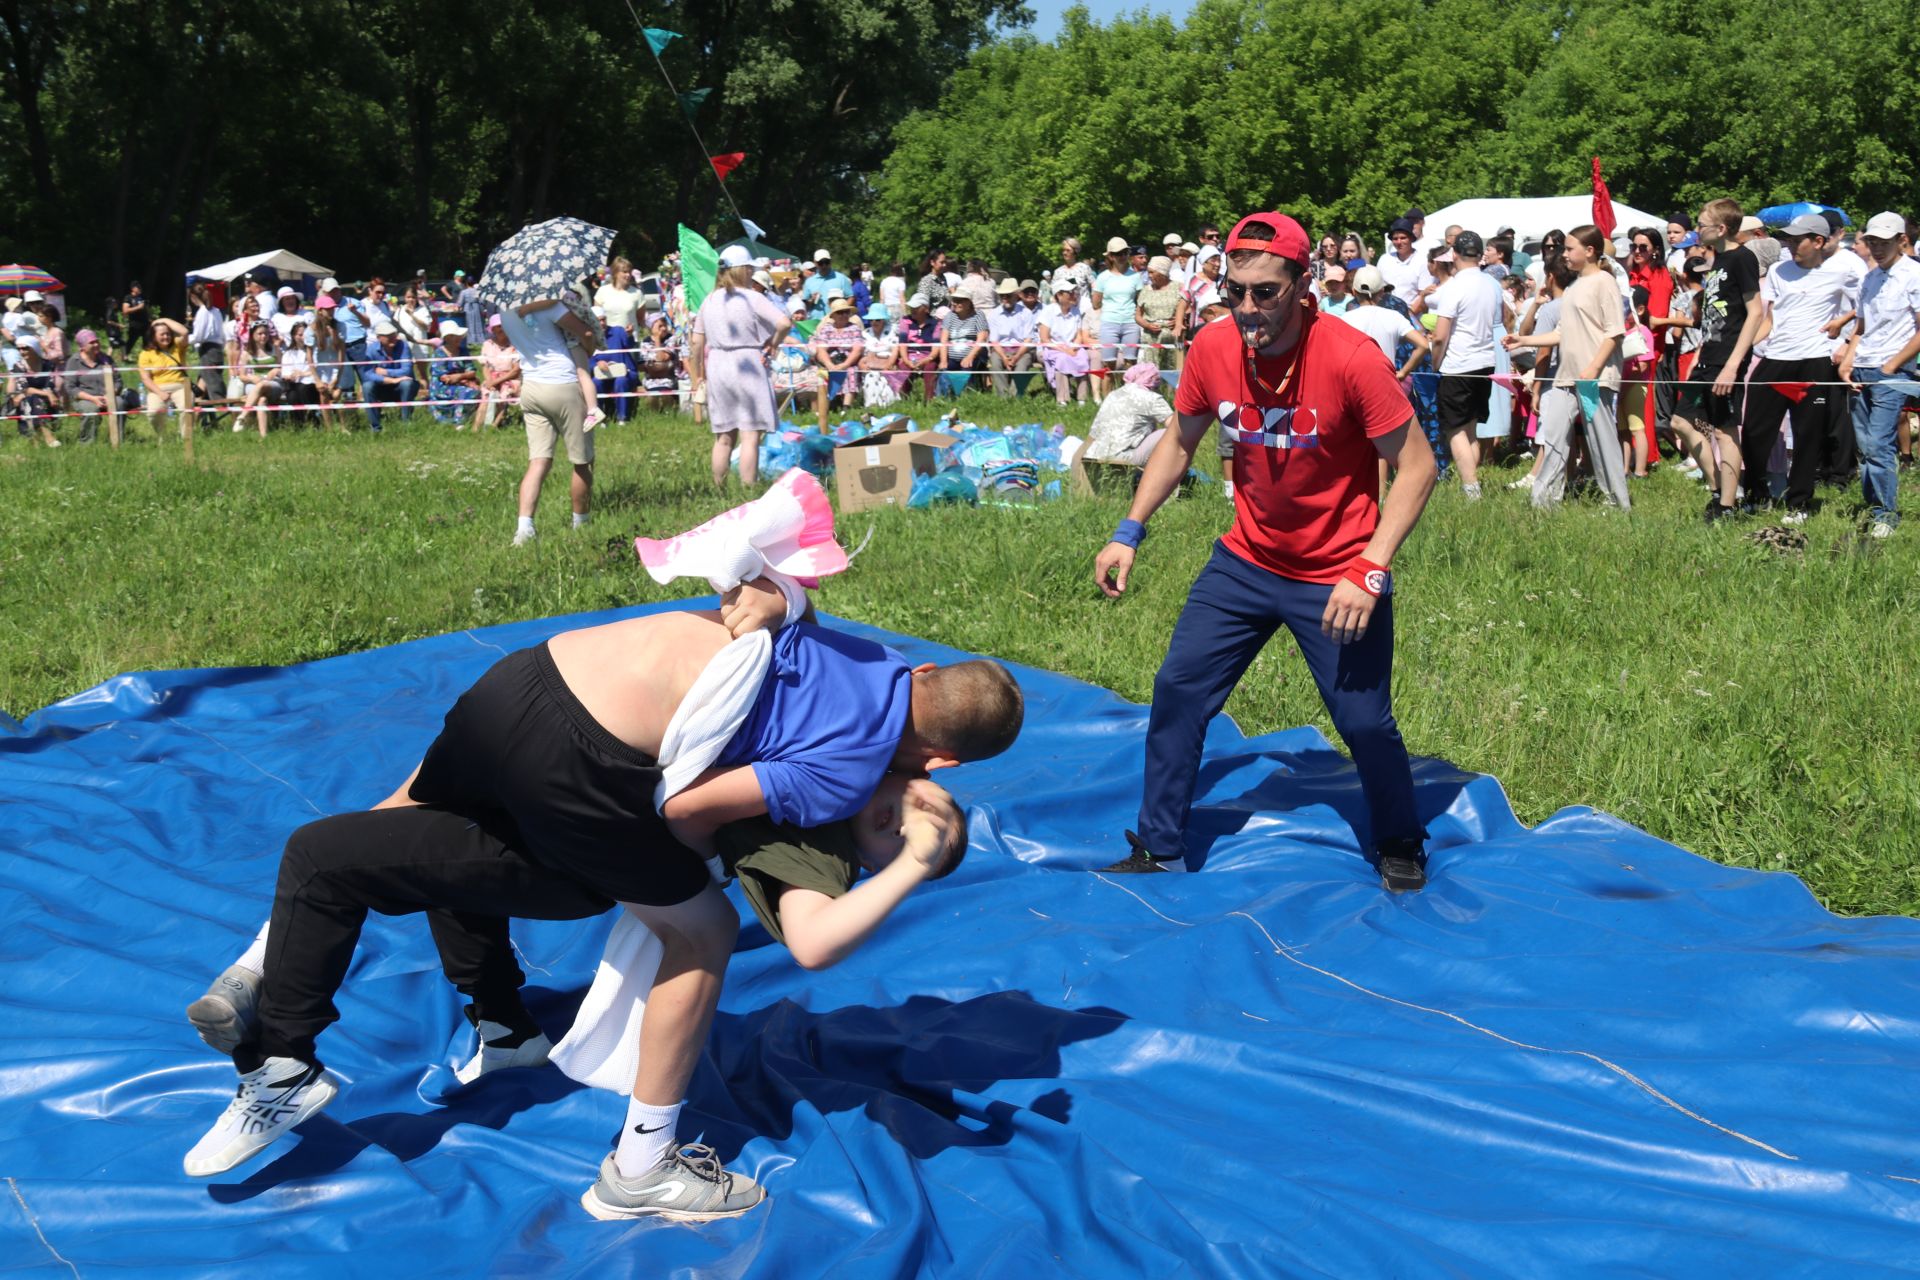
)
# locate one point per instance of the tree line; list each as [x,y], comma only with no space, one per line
[146,138]
[383,135]
[1345,112]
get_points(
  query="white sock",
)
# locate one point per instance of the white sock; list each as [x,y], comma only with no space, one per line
[638,1151]
[254,959]
[579,519]
[526,524]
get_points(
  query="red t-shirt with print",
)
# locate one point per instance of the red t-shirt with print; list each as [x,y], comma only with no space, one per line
[1306,487]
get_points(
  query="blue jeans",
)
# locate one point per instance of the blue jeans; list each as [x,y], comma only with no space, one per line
[1119,342]
[1876,412]
[350,386]
[1233,610]
[378,392]
[626,382]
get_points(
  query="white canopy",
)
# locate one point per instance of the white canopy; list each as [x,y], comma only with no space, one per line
[1531,218]
[280,260]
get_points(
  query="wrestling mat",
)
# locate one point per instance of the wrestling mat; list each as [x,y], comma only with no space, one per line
[1581,1052]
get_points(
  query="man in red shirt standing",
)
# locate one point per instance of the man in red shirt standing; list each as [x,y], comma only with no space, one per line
[1310,407]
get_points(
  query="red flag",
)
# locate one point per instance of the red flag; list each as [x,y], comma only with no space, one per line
[1795,392]
[726,164]
[1602,202]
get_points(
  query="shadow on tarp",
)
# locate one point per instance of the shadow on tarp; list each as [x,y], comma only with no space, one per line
[907,1068]
[1580,1052]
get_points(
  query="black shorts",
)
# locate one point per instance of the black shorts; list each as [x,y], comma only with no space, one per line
[518,742]
[1697,403]
[1465,399]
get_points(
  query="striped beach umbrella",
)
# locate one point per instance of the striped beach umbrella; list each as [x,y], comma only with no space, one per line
[16,278]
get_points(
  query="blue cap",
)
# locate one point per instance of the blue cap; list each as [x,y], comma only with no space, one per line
[878,311]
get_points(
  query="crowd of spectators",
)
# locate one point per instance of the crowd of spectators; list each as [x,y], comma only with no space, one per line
[1495,337]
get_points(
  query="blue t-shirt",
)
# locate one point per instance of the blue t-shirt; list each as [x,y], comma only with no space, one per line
[826,725]
[1117,290]
[815,291]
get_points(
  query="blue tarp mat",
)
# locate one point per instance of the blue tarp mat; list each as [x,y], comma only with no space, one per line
[1582,1051]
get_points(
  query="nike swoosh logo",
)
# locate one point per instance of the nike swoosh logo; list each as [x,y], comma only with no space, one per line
[643,1129]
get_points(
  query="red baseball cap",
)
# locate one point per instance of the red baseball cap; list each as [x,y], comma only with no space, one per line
[1289,237]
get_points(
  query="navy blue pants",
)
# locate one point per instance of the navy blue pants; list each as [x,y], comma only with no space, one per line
[1231,613]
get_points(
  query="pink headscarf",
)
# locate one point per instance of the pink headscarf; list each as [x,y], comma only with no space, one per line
[1144,376]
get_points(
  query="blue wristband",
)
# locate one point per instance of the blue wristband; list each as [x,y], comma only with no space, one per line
[1130,533]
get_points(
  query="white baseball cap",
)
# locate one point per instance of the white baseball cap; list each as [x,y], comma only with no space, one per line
[1172,237]
[821,255]
[1881,226]
[1751,223]
[797,306]
[285,291]
[452,326]
[735,255]
[32,295]
[762,279]
[1117,244]
[329,284]
[381,328]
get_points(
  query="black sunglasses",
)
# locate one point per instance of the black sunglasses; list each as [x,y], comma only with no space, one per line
[1264,295]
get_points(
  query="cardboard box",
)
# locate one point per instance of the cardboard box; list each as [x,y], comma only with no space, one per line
[877,470]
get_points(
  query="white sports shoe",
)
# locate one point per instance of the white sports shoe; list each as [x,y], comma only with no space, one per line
[1880,529]
[269,1102]
[521,537]
[1524,482]
[490,1058]
[1795,517]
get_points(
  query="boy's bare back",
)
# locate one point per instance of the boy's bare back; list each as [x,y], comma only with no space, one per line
[631,675]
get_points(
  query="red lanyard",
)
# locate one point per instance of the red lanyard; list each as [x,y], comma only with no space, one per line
[1293,362]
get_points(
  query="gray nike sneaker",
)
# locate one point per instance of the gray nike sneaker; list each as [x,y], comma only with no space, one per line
[687,1186]
[230,1009]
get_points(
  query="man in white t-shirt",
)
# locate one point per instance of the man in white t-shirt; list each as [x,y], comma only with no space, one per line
[1468,309]
[1799,300]
[1883,349]
[551,402]
[1840,457]
[1387,327]
[1404,270]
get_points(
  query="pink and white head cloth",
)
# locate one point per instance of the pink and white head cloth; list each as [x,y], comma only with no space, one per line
[785,534]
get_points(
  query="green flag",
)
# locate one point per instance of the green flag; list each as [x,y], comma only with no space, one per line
[699,264]
[692,100]
[658,38]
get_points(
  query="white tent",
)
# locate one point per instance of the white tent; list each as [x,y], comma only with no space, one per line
[1533,217]
[280,261]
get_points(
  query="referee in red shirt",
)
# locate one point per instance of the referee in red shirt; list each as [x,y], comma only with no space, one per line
[1309,405]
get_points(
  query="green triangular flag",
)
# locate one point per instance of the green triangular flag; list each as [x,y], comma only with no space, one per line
[692,100]
[699,264]
[659,38]
[805,328]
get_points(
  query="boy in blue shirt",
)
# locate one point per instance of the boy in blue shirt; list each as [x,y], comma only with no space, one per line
[538,800]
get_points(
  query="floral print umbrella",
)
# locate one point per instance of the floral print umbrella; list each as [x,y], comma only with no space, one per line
[546,260]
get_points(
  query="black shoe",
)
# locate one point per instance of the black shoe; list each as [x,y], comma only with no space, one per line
[1140,861]
[1717,512]
[1402,865]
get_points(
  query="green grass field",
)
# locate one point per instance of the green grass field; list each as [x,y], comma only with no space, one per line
[1759,708]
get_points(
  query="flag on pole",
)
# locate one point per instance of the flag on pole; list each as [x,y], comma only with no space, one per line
[658,38]
[752,228]
[692,100]
[699,264]
[726,164]
[1602,202]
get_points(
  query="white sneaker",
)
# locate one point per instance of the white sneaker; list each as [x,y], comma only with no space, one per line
[239,424]
[1794,517]
[269,1102]
[1524,482]
[490,1058]
[521,537]
[1880,529]
[53,444]
[1472,491]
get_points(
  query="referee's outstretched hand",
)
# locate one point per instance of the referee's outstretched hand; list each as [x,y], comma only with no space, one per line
[1111,567]
[1349,609]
